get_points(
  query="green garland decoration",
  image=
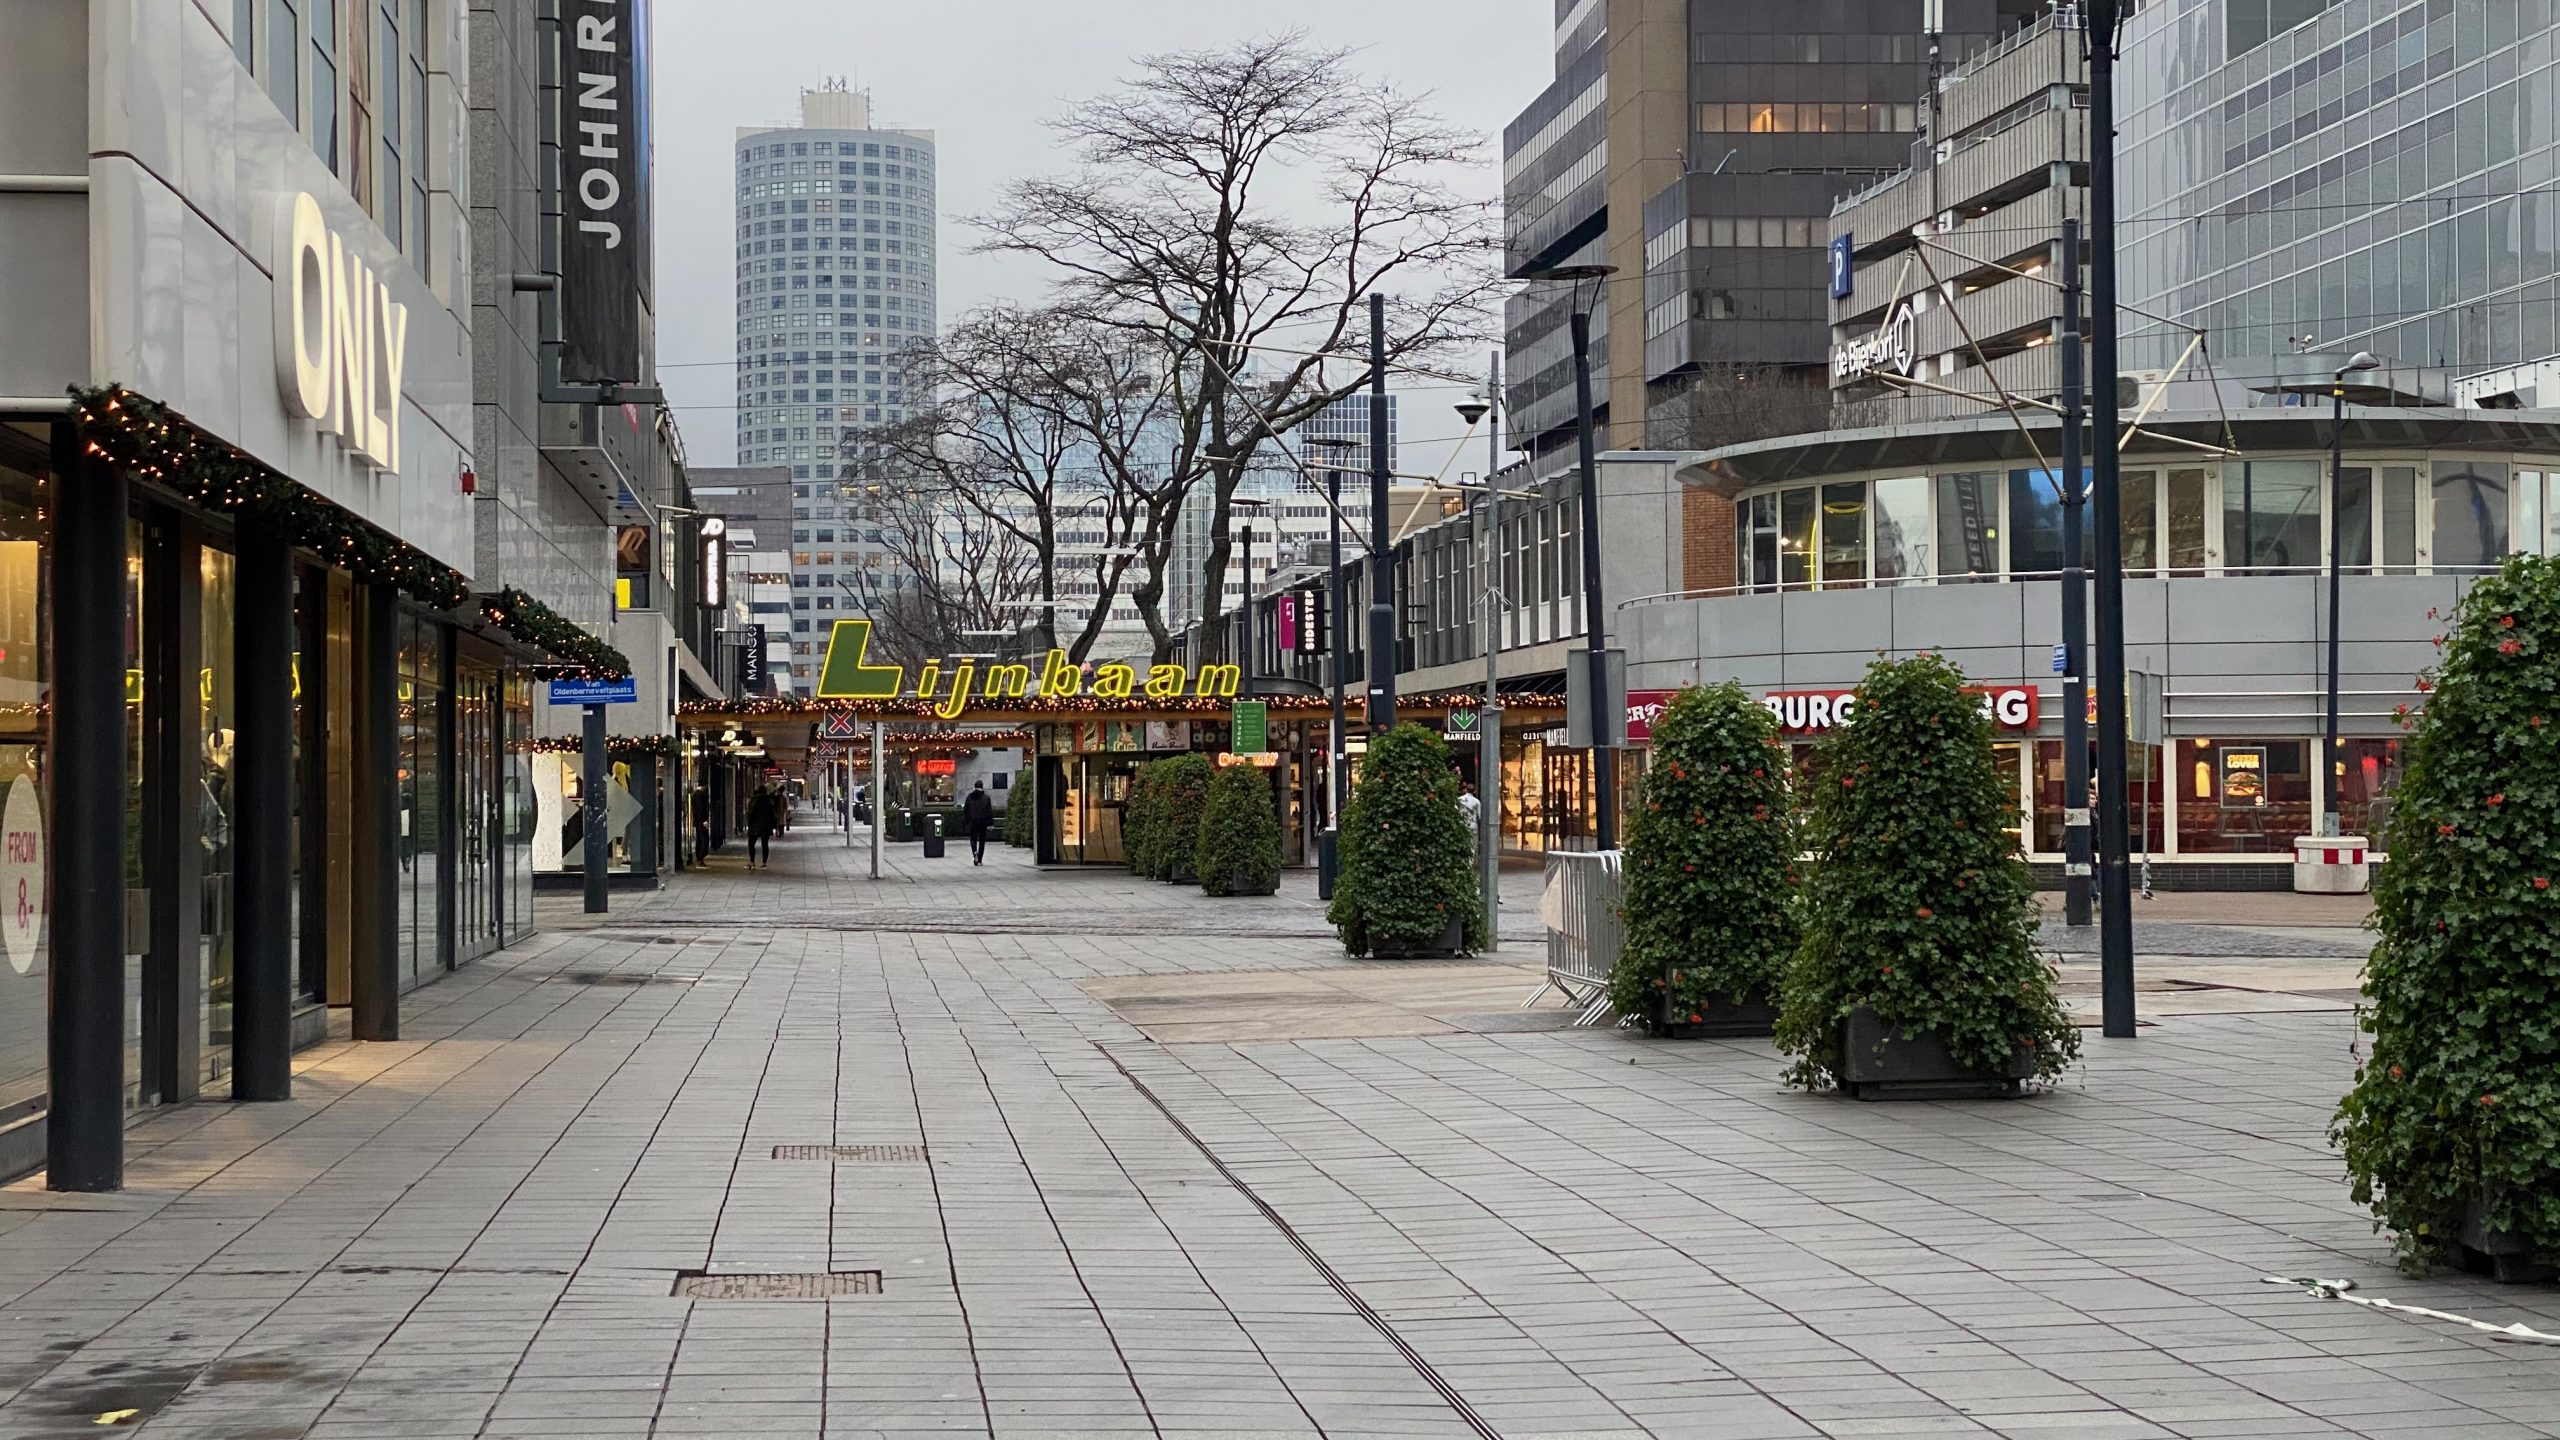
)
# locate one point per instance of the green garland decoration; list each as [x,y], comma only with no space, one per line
[537,624]
[143,437]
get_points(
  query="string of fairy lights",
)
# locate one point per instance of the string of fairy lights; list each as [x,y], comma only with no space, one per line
[155,443]
[788,707]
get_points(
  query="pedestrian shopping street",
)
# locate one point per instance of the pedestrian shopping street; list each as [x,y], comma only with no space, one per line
[1049,1153]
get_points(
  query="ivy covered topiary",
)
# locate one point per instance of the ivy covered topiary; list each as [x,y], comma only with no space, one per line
[1918,904]
[1711,851]
[1407,852]
[1020,811]
[1139,812]
[2456,1112]
[1182,793]
[1239,850]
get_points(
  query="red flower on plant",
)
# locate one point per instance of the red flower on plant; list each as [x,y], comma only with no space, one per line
[1846,782]
[2498,799]
[2488,1099]
[2510,647]
[2395,1072]
[2509,621]
[2425,685]
[2444,829]
[2541,882]
[1924,912]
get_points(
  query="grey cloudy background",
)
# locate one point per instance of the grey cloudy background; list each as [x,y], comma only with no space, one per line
[984,75]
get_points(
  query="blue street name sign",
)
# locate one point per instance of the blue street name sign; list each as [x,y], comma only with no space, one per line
[2061,657]
[624,691]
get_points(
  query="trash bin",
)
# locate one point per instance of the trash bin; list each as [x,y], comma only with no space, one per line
[2331,865]
[933,836]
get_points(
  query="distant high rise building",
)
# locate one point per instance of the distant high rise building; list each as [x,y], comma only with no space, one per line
[836,271]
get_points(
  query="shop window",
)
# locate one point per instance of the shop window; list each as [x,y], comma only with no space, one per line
[2190,534]
[2142,771]
[1969,526]
[2470,515]
[2035,522]
[2271,516]
[2537,513]
[212,809]
[1844,534]
[24,696]
[2241,797]
[1902,530]
[1796,510]
[2368,775]
[2138,521]
[2389,494]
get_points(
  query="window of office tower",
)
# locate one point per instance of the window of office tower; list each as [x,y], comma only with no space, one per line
[2248,24]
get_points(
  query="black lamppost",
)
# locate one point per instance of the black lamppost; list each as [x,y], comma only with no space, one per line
[2329,766]
[1595,625]
[1335,614]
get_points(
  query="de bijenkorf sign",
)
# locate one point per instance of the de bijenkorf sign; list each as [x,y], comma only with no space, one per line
[625,691]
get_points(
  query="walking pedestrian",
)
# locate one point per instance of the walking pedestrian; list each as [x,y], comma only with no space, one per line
[980,812]
[701,823]
[762,810]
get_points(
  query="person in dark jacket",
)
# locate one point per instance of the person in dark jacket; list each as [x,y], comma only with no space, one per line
[763,814]
[980,812]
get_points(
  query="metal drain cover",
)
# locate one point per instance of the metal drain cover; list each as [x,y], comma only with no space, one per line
[824,1285]
[620,977]
[852,1154]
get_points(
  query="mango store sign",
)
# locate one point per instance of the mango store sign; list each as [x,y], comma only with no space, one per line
[1810,712]
[341,341]
[848,674]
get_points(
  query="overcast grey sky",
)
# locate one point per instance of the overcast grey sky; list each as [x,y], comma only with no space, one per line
[984,75]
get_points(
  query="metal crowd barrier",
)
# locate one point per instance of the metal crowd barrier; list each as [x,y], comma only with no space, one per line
[1584,930]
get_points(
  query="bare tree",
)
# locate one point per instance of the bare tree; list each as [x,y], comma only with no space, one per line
[1233,210]
[948,569]
[1736,406]
[1040,424]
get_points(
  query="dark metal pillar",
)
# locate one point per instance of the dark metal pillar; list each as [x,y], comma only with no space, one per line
[312,798]
[1595,625]
[262,819]
[1382,577]
[373,966]
[173,803]
[84,1134]
[2115,890]
[2075,598]
[591,808]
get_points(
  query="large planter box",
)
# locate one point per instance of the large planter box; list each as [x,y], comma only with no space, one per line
[1453,942]
[1887,1062]
[1240,884]
[1724,1018]
[2502,1255]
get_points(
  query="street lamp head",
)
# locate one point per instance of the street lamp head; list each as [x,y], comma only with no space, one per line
[1571,272]
[2361,360]
[1328,442]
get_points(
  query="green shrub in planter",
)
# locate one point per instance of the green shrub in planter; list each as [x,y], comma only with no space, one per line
[1020,811]
[1239,850]
[1139,813]
[1918,906]
[1710,870]
[1408,855]
[1182,793]
[2452,1132]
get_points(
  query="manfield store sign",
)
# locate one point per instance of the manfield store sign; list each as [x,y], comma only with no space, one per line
[956,684]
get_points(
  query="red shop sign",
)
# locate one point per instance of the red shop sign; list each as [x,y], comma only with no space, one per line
[1644,707]
[1810,712]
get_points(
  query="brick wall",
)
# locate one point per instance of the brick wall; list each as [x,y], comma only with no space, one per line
[1706,539]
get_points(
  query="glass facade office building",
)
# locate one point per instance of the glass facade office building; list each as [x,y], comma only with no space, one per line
[836,262]
[2357,175]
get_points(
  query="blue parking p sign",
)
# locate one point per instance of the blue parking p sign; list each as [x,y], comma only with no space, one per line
[1843,265]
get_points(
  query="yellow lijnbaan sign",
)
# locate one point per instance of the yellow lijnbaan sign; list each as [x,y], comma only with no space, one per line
[848,674]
